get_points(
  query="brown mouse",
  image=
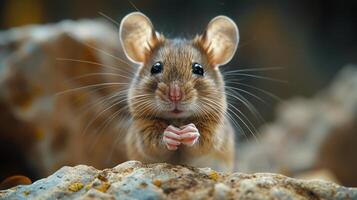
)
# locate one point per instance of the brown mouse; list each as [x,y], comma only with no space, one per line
[177,98]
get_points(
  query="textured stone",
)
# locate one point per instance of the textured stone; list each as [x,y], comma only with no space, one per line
[134,180]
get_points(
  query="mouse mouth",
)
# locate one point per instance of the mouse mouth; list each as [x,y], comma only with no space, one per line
[176,111]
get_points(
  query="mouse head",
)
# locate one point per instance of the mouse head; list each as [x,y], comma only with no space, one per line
[178,78]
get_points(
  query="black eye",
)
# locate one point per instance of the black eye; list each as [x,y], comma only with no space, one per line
[197,69]
[156,68]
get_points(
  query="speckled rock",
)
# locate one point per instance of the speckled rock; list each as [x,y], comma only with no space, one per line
[134,180]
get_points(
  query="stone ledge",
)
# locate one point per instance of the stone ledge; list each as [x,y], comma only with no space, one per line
[134,180]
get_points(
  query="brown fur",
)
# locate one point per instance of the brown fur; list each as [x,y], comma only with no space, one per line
[203,96]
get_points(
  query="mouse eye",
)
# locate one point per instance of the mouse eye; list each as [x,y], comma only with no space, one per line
[156,68]
[197,69]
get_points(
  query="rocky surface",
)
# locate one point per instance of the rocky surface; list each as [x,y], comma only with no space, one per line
[309,134]
[134,180]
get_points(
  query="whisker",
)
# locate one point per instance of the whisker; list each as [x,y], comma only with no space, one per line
[98,115]
[234,114]
[216,107]
[105,98]
[96,74]
[249,93]
[244,116]
[144,105]
[222,111]
[156,111]
[247,126]
[132,4]
[104,125]
[258,77]
[236,124]
[258,89]
[85,108]
[199,109]
[117,68]
[104,52]
[245,102]
[88,86]
[109,18]
[258,69]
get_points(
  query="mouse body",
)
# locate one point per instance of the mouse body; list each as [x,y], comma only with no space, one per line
[177,98]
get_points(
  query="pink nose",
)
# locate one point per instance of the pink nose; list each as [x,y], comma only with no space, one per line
[175,93]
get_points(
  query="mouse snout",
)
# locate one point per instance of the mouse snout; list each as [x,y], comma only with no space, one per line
[175,92]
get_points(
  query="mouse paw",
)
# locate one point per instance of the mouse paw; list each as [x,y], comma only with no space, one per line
[189,134]
[171,138]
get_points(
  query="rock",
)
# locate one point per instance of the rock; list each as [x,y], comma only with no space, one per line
[134,180]
[49,129]
[318,133]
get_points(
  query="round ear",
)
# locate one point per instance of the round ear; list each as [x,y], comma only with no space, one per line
[220,40]
[137,36]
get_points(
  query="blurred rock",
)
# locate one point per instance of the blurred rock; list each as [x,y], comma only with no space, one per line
[133,180]
[50,129]
[322,174]
[310,134]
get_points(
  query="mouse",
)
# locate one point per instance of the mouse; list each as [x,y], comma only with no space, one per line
[177,98]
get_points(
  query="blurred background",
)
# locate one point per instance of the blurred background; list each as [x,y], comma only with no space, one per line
[304,43]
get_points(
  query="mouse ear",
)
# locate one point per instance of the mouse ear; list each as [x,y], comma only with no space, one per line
[220,40]
[137,36]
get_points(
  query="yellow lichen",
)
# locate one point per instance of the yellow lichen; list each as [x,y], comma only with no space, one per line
[103,187]
[157,182]
[88,186]
[26,193]
[213,175]
[75,187]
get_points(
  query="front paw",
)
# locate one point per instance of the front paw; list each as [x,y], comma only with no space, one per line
[171,138]
[189,134]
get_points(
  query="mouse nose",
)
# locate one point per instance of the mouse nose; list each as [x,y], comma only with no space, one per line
[175,93]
